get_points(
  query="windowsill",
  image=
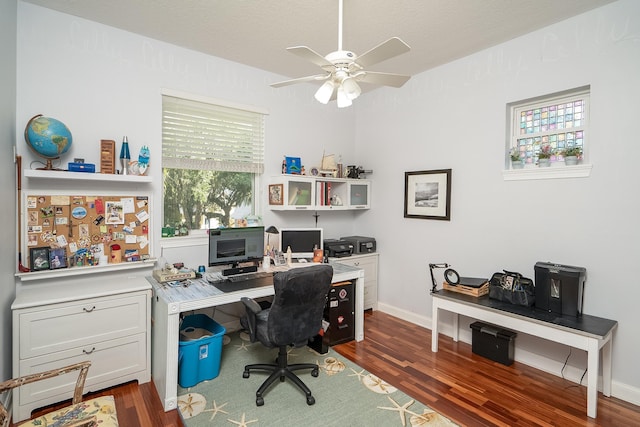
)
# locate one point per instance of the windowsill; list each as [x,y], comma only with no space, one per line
[555,171]
[182,241]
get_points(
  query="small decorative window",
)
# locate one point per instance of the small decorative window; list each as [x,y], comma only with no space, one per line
[550,127]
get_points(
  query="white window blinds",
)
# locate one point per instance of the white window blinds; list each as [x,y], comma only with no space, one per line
[204,136]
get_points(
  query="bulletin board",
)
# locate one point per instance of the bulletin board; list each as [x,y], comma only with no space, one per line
[74,231]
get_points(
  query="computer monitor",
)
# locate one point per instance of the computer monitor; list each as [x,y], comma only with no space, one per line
[235,245]
[302,241]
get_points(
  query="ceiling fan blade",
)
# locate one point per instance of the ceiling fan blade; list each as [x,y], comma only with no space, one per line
[384,79]
[385,50]
[310,55]
[317,77]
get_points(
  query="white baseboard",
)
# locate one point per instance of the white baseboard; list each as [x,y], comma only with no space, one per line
[619,390]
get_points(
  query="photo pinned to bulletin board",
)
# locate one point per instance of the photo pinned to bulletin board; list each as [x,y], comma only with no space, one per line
[80,231]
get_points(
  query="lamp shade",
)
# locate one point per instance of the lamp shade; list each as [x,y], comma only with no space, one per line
[323,95]
[351,88]
[272,230]
[343,98]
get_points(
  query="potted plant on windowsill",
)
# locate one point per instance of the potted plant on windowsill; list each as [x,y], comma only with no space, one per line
[516,160]
[544,156]
[571,155]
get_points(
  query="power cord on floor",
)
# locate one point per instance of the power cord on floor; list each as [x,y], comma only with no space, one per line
[565,365]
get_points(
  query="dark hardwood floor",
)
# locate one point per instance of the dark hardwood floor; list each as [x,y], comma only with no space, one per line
[472,390]
[469,389]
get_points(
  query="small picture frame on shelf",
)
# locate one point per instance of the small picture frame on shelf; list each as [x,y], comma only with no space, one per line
[57,258]
[275,194]
[39,258]
[293,165]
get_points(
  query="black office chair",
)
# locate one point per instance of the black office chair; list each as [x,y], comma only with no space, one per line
[295,315]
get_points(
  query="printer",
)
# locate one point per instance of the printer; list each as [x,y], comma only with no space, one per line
[337,248]
[361,245]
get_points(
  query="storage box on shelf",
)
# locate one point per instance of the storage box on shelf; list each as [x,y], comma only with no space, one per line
[300,192]
[369,263]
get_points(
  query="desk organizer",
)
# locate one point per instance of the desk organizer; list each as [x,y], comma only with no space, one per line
[467,290]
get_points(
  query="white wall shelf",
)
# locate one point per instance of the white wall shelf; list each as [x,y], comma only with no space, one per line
[77,271]
[84,176]
[552,172]
[304,192]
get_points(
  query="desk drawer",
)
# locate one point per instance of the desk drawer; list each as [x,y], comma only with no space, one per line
[112,362]
[58,327]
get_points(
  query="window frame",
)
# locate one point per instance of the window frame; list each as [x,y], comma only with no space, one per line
[559,170]
[257,176]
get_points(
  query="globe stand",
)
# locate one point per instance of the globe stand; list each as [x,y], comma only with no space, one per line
[49,165]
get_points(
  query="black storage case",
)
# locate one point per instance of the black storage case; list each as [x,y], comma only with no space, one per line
[559,288]
[339,312]
[492,342]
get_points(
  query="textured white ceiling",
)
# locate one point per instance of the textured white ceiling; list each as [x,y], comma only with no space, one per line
[257,32]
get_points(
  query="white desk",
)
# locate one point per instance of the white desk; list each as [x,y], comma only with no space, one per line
[588,333]
[167,304]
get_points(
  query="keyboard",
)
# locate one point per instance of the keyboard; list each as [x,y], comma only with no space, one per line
[240,283]
[248,276]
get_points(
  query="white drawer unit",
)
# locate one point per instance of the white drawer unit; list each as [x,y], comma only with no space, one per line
[369,263]
[107,324]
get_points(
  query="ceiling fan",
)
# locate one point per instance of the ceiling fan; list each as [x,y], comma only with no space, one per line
[343,69]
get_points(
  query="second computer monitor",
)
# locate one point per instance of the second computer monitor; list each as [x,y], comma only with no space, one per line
[302,241]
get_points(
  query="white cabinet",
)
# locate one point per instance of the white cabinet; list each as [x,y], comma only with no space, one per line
[303,192]
[104,320]
[369,263]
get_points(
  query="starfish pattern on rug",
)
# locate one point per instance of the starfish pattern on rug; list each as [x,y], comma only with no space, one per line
[402,409]
[215,409]
[360,374]
[242,422]
[243,346]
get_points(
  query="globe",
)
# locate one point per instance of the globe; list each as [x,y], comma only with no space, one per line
[48,137]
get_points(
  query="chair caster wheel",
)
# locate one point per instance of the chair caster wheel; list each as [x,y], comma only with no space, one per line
[260,401]
[310,400]
[245,374]
[314,372]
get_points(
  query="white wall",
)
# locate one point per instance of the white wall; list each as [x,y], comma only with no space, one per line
[8,259]
[454,117]
[104,83]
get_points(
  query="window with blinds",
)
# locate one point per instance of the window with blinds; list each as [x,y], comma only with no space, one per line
[212,158]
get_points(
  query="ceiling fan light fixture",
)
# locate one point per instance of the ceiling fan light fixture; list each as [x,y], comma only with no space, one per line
[343,99]
[323,95]
[351,88]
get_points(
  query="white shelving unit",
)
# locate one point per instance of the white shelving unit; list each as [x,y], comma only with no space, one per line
[303,192]
[84,176]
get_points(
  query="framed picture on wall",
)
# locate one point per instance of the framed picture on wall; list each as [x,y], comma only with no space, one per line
[275,194]
[427,194]
[39,258]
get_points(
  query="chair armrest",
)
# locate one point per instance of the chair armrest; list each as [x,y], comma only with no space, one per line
[28,379]
[251,305]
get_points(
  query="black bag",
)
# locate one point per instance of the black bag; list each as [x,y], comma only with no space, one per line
[511,287]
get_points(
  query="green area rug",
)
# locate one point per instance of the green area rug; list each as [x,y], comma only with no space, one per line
[345,394]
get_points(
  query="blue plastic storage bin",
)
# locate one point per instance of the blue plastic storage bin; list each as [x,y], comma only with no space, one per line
[200,349]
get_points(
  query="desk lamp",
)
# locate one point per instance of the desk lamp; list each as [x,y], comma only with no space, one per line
[271,230]
[450,275]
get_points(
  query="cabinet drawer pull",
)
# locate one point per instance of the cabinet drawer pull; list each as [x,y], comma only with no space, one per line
[90,351]
[89,310]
